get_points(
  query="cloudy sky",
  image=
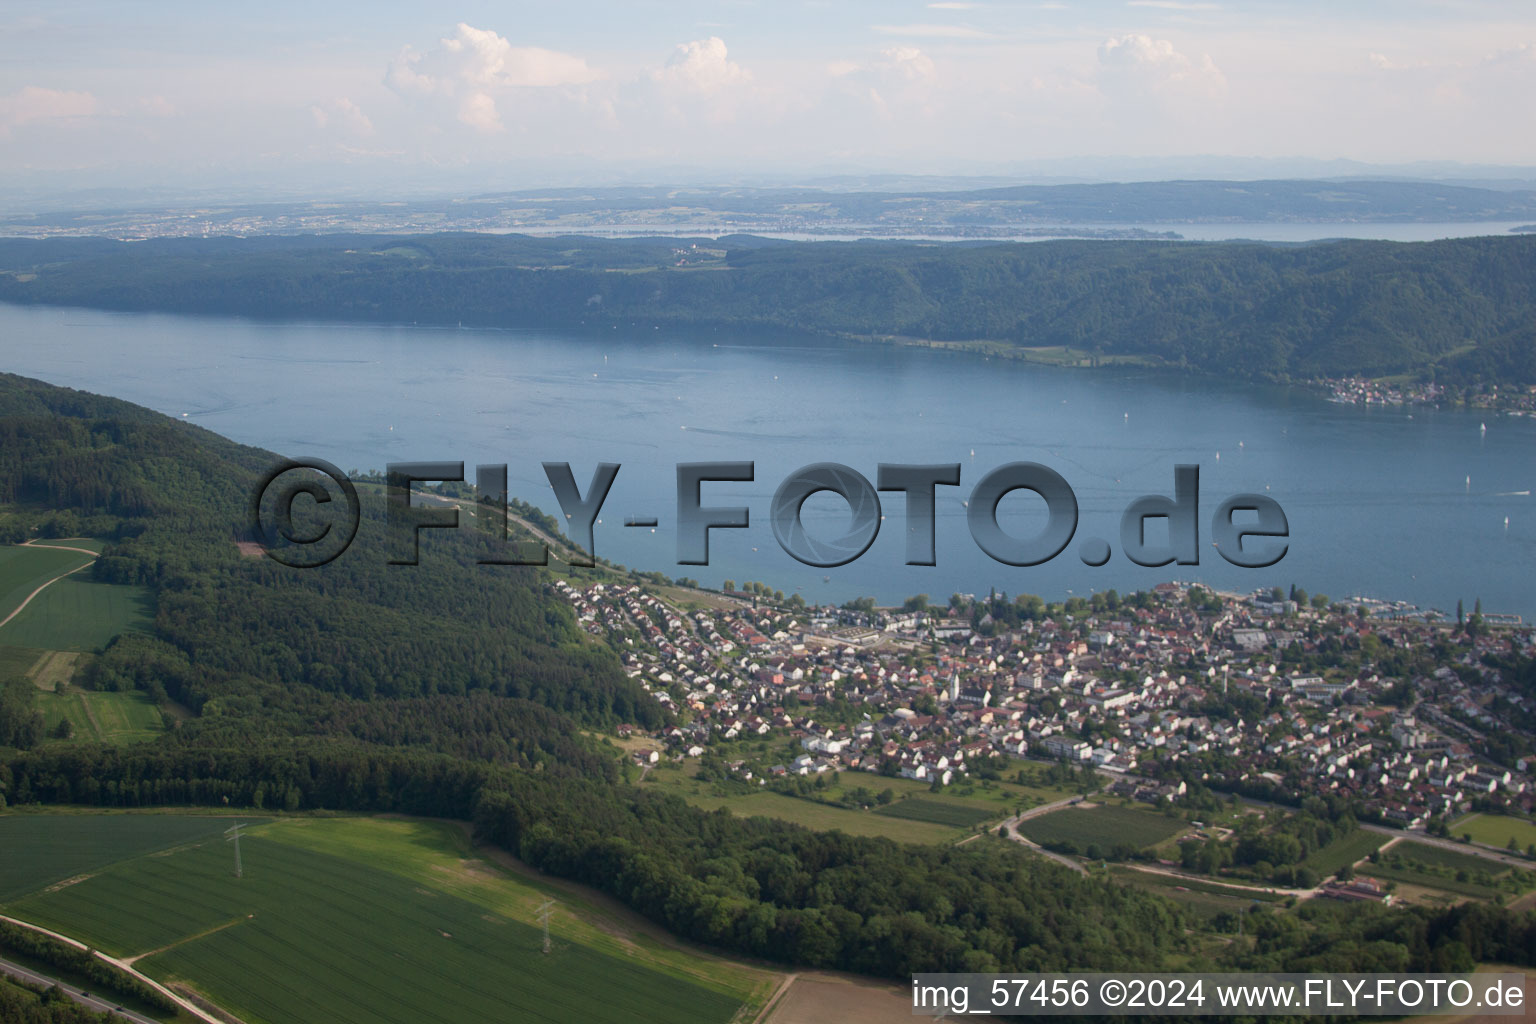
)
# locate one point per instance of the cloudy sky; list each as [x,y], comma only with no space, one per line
[507,93]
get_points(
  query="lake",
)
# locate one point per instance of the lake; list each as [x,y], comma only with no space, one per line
[1396,503]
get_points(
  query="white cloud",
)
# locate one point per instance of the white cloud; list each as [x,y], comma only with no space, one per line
[478,110]
[157,106]
[1523,53]
[35,103]
[897,85]
[1156,60]
[1174,5]
[907,63]
[702,66]
[475,66]
[348,116]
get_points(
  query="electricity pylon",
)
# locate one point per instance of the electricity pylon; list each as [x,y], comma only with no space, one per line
[545,909]
[234,836]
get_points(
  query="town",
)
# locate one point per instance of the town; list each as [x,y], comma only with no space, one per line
[1398,718]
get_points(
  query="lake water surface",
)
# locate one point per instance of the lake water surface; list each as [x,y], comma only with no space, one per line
[1379,500]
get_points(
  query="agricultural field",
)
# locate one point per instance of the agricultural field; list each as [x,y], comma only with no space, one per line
[940,812]
[1102,825]
[972,800]
[1452,859]
[1497,830]
[1425,880]
[43,849]
[825,818]
[76,614]
[1433,867]
[999,798]
[1343,852]
[125,717]
[380,920]
[25,567]
[50,668]
[18,661]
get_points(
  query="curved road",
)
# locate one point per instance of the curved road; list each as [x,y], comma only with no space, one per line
[1012,825]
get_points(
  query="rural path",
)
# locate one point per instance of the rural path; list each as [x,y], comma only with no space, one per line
[1271,890]
[773,1000]
[1474,849]
[79,995]
[56,547]
[90,716]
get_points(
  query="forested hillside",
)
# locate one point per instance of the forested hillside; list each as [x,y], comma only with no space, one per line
[459,691]
[1460,307]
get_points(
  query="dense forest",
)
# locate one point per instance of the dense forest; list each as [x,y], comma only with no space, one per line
[1458,308]
[463,691]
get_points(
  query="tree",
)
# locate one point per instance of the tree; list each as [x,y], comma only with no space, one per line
[66,729]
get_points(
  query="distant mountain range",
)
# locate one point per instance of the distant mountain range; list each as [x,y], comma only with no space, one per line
[938,209]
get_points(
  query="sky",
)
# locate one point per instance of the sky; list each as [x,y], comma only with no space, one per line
[378,95]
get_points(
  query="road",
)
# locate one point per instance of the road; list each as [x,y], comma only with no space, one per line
[80,996]
[1451,844]
[467,505]
[1012,825]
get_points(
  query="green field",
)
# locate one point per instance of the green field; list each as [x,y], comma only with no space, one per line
[77,614]
[998,799]
[372,920]
[1435,868]
[939,812]
[125,717]
[1452,859]
[1497,830]
[1429,881]
[825,818]
[24,568]
[1102,825]
[18,661]
[43,849]
[940,817]
[1343,852]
